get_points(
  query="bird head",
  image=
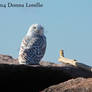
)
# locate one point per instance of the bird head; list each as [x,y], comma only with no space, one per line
[36,29]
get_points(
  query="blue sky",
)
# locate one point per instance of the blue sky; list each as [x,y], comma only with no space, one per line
[67,23]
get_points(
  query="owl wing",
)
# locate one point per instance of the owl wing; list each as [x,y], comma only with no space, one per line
[34,48]
[24,44]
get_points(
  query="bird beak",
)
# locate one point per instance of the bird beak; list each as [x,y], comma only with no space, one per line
[38,31]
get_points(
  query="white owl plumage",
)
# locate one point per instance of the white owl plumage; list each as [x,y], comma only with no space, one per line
[33,45]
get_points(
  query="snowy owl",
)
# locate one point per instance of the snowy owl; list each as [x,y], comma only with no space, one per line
[33,45]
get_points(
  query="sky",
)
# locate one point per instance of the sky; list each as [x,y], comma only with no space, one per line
[67,24]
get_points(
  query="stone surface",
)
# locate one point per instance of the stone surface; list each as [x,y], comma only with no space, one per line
[37,77]
[73,85]
[5,59]
[33,77]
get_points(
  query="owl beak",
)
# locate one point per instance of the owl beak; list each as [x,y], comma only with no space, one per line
[38,31]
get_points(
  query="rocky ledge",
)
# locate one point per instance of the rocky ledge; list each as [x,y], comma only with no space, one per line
[73,85]
[35,78]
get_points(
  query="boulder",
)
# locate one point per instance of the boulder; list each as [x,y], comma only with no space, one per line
[73,85]
[35,78]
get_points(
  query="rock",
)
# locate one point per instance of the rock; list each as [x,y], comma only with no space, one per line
[46,63]
[5,59]
[35,77]
[73,85]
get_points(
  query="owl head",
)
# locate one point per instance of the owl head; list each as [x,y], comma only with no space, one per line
[36,29]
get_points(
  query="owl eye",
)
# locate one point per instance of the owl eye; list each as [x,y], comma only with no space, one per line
[34,27]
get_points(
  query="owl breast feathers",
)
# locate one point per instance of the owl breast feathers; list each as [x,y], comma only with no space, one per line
[32,49]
